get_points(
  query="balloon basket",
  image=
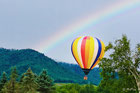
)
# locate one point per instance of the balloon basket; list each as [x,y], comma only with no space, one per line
[85,77]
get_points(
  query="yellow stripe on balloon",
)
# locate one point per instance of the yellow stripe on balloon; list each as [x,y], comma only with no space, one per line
[75,53]
[101,55]
[87,50]
[91,52]
[103,51]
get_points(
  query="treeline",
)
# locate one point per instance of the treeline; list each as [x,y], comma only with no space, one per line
[60,72]
[28,82]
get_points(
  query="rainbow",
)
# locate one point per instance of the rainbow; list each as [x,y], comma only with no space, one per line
[84,23]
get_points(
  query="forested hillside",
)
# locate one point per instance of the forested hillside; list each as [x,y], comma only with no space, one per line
[60,72]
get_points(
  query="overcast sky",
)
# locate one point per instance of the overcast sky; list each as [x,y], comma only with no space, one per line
[25,23]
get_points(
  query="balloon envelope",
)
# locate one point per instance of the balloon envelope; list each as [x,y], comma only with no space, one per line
[87,51]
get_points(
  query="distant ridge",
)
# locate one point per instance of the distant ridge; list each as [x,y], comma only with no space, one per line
[61,72]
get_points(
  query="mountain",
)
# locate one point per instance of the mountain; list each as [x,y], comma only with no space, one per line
[59,71]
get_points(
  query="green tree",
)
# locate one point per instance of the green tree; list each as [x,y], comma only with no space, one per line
[28,82]
[73,88]
[69,88]
[45,83]
[101,90]
[62,90]
[76,88]
[120,70]
[12,86]
[3,80]
[87,89]
[21,78]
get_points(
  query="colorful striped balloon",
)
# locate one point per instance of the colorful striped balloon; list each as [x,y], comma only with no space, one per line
[87,51]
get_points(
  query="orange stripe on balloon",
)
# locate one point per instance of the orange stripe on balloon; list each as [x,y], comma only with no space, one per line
[83,51]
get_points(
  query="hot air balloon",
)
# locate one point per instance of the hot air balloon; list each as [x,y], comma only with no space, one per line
[87,51]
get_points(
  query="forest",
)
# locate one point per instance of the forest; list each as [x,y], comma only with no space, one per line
[60,72]
[118,73]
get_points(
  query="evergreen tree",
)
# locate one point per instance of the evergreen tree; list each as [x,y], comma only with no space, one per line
[3,80]
[29,84]
[12,85]
[21,78]
[45,83]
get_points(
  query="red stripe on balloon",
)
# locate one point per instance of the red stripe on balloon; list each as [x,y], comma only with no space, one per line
[83,48]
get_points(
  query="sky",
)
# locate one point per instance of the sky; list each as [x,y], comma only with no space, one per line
[37,24]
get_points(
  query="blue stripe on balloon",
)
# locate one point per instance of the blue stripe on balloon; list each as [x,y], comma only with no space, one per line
[71,49]
[99,52]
